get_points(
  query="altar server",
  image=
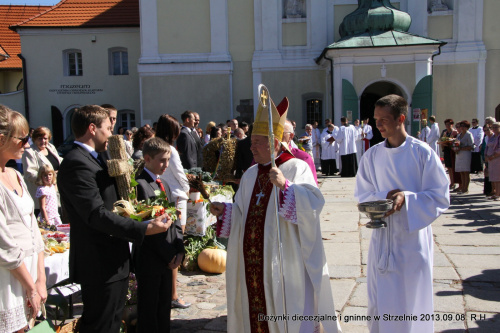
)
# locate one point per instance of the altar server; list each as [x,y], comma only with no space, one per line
[434,135]
[347,148]
[400,259]
[329,150]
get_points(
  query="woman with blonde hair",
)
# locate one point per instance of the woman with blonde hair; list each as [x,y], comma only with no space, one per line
[207,131]
[22,269]
[41,152]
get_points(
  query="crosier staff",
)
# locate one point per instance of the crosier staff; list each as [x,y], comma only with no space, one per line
[264,95]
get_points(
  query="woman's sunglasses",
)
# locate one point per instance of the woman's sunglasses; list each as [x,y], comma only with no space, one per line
[23,140]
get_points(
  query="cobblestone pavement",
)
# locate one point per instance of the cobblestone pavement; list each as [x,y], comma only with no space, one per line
[466,266]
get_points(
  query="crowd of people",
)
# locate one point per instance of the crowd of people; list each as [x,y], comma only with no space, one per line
[100,257]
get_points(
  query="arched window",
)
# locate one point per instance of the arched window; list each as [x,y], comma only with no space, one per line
[72,62]
[118,61]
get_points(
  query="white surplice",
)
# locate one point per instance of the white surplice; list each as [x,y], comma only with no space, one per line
[424,134]
[316,142]
[304,261]
[359,143]
[400,257]
[368,135]
[478,135]
[433,138]
[347,140]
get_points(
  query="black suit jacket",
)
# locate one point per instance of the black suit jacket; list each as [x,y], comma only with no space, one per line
[188,149]
[99,239]
[154,254]
[199,143]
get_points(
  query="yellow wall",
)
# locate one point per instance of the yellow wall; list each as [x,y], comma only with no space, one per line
[241,34]
[183,26]
[294,34]
[293,85]
[402,73]
[454,92]
[46,77]
[206,94]
[491,33]
[440,27]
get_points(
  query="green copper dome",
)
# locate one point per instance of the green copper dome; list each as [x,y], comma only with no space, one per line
[374,15]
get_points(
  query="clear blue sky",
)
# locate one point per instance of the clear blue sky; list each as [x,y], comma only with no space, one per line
[29,2]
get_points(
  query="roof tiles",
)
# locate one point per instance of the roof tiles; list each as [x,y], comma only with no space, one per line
[86,14]
[9,40]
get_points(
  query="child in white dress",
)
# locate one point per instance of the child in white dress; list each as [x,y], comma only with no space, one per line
[46,193]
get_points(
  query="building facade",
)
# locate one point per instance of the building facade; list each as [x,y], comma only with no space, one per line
[209,56]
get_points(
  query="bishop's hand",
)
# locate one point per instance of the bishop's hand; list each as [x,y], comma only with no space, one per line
[159,224]
[276,177]
[216,208]
[398,198]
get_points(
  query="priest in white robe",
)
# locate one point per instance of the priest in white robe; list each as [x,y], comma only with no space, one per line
[329,150]
[478,135]
[424,131]
[366,134]
[347,149]
[434,135]
[253,274]
[400,256]
[316,141]
[359,140]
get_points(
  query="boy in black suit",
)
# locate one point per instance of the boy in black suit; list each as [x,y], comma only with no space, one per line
[155,258]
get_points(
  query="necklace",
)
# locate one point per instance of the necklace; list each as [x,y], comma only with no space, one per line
[261,194]
[10,183]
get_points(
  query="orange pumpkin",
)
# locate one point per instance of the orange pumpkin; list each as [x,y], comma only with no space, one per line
[212,261]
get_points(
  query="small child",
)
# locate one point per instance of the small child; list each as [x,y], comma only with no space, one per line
[156,257]
[47,195]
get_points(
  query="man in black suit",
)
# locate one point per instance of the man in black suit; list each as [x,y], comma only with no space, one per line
[186,142]
[158,255]
[199,141]
[100,254]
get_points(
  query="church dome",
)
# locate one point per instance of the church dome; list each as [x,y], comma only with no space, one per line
[374,15]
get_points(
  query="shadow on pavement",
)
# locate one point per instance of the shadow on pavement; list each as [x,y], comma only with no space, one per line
[205,325]
[481,214]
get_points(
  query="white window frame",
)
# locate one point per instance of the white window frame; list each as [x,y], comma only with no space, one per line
[66,62]
[111,60]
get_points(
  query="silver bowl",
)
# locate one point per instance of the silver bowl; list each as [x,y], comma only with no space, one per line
[375,211]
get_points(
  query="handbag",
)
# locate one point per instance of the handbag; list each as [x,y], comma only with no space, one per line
[46,326]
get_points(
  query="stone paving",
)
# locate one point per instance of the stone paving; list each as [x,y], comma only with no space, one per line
[466,266]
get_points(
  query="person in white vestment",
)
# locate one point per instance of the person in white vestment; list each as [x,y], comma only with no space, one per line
[366,134]
[329,151]
[400,256]
[316,141]
[347,148]
[478,135]
[253,284]
[359,140]
[434,135]
[424,131]
[328,121]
